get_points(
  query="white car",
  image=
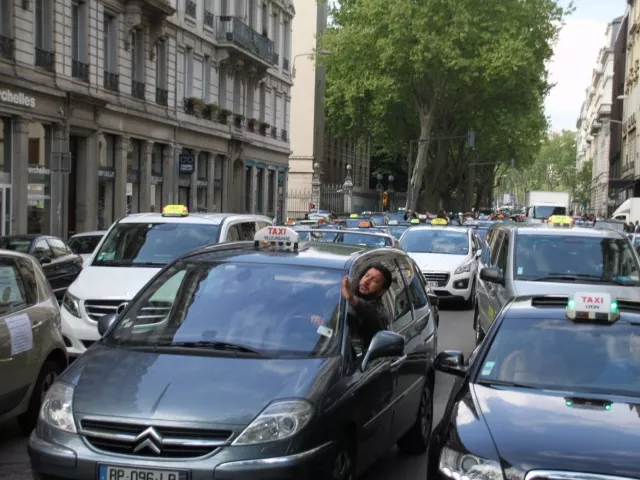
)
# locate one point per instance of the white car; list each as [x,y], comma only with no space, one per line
[448,259]
[84,244]
[136,248]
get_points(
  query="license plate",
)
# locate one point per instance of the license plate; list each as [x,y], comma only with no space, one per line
[432,284]
[126,473]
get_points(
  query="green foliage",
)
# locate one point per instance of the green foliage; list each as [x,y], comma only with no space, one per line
[410,69]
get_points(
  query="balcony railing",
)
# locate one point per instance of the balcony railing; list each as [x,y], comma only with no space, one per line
[80,70]
[162,96]
[208,18]
[190,8]
[285,64]
[137,89]
[111,81]
[234,30]
[6,47]
[44,59]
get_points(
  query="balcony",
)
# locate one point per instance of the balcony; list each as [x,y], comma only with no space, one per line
[233,32]
[154,7]
[162,96]
[111,81]
[6,48]
[604,110]
[208,18]
[137,89]
[190,8]
[80,70]
[45,59]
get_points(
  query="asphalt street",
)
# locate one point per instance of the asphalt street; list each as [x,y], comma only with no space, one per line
[455,333]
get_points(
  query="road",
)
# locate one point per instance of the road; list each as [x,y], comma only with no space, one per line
[455,333]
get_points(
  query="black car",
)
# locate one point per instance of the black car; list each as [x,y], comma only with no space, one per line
[552,392]
[61,266]
[237,361]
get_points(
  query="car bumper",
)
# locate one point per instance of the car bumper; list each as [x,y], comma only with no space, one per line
[457,288]
[78,333]
[67,456]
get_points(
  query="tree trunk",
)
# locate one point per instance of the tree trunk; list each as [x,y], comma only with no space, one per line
[426,122]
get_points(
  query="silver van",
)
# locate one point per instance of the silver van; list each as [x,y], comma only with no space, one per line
[537,259]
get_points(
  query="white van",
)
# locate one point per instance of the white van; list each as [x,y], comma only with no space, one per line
[135,248]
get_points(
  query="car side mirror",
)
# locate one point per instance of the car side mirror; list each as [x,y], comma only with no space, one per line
[384,344]
[478,253]
[44,260]
[451,362]
[105,322]
[434,300]
[492,275]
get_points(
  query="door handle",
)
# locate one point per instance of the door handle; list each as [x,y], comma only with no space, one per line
[395,365]
[37,325]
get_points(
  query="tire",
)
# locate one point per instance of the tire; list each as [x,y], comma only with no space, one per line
[344,462]
[48,374]
[477,328]
[471,303]
[417,439]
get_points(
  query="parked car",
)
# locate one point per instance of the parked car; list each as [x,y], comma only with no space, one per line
[32,352]
[61,266]
[84,244]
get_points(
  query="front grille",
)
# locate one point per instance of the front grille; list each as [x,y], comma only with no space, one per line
[153,312]
[152,441]
[441,279]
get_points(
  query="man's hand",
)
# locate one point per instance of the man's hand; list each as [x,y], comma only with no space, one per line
[317,320]
[347,291]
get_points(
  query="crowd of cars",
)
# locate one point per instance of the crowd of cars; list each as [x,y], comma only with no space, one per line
[194,353]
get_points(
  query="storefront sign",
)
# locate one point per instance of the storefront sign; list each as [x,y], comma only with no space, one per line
[39,170]
[187,163]
[184,181]
[106,173]
[202,183]
[156,179]
[19,98]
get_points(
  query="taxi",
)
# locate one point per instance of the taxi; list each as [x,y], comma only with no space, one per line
[253,372]
[131,253]
[397,228]
[551,393]
[363,236]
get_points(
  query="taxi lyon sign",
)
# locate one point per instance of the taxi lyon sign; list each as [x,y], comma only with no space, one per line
[593,302]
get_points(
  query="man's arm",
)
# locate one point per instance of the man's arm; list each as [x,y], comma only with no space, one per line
[368,316]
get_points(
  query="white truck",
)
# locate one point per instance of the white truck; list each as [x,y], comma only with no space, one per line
[541,205]
[628,212]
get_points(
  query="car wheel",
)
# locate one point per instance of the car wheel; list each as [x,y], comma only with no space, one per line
[344,465]
[48,374]
[478,329]
[471,302]
[416,440]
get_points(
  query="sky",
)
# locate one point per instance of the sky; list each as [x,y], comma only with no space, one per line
[575,56]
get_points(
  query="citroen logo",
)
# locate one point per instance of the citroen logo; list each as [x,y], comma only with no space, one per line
[149,439]
[121,307]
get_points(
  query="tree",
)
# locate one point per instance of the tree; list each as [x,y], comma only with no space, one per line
[404,68]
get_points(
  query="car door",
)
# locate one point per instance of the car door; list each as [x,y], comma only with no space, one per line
[19,344]
[483,289]
[493,303]
[502,293]
[68,264]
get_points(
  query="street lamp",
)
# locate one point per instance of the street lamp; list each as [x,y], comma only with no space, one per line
[308,54]
[380,190]
[347,187]
[391,191]
[315,186]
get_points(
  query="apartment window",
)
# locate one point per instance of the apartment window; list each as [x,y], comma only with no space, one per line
[162,92]
[276,32]
[237,94]
[251,88]
[79,66]
[224,8]
[263,101]
[43,25]
[206,79]
[222,88]
[137,64]
[265,19]
[275,108]
[188,72]
[110,52]
[6,42]
[208,13]
[252,14]
[286,49]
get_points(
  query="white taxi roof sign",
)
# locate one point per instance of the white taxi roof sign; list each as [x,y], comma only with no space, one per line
[560,221]
[175,211]
[592,306]
[283,237]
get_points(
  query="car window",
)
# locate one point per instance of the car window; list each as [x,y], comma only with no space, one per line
[152,244]
[604,259]
[85,244]
[503,254]
[426,240]
[495,248]
[58,247]
[14,295]
[415,281]
[28,275]
[233,235]
[562,355]
[247,231]
[402,314]
[42,249]
[355,238]
[21,245]
[208,303]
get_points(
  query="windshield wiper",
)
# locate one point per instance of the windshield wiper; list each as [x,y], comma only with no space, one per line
[503,383]
[224,346]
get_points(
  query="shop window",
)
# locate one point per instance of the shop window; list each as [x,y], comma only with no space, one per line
[133,176]
[259,190]
[247,189]
[155,194]
[106,183]
[270,196]
[39,179]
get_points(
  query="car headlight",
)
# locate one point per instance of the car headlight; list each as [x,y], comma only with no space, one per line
[72,304]
[278,421]
[464,466]
[57,408]
[465,268]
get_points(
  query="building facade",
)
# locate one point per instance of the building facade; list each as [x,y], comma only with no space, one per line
[620,175]
[111,107]
[594,126]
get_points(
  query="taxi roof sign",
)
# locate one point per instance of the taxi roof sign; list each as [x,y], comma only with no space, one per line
[560,221]
[365,224]
[354,215]
[393,223]
[289,222]
[592,306]
[439,221]
[175,211]
[283,237]
[415,221]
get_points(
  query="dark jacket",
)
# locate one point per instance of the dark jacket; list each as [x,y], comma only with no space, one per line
[367,318]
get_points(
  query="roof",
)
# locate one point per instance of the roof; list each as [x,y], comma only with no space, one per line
[95,233]
[545,229]
[310,254]
[201,218]
[13,253]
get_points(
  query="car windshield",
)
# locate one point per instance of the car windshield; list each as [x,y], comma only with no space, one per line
[398,217]
[356,238]
[354,222]
[207,303]
[378,219]
[562,355]
[590,258]
[152,244]
[397,231]
[542,212]
[84,244]
[422,240]
[482,232]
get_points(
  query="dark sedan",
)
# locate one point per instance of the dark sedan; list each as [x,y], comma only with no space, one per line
[61,266]
[551,393]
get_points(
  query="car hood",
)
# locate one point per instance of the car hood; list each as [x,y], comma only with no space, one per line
[118,283]
[526,288]
[223,390]
[535,430]
[430,262]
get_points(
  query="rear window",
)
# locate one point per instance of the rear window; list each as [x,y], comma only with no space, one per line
[84,244]
[542,212]
[452,242]
[15,244]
